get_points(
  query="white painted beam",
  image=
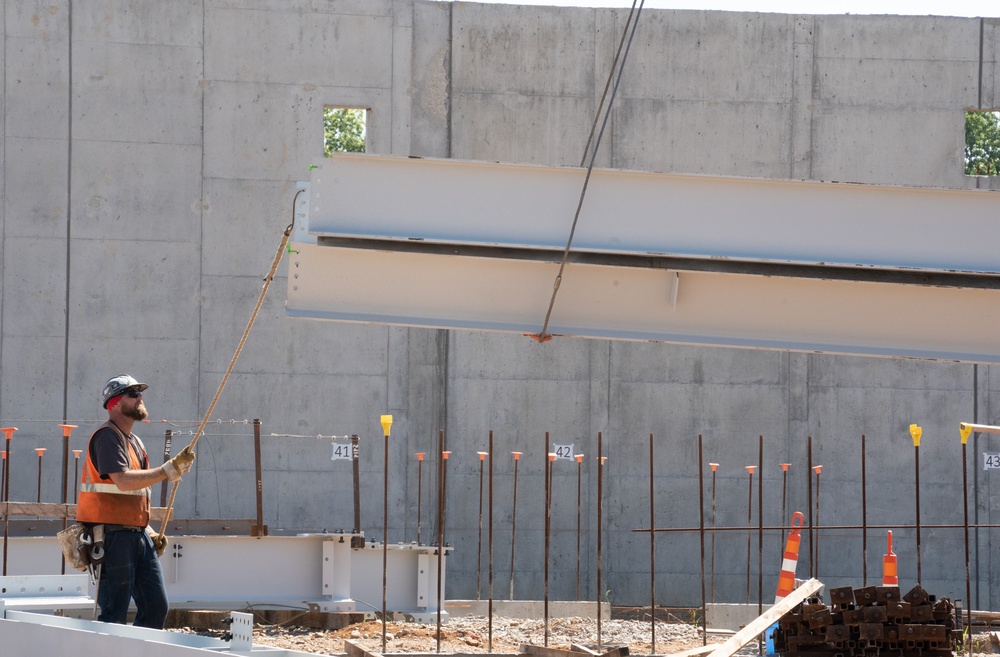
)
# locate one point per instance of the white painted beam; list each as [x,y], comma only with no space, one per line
[28,633]
[749,219]
[696,308]
[212,572]
[847,269]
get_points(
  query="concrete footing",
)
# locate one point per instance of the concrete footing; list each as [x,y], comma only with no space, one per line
[733,617]
[528,608]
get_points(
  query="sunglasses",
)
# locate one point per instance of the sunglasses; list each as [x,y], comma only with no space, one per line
[133,393]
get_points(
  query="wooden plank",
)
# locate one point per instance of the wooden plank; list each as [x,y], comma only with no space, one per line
[53,510]
[43,509]
[695,652]
[619,651]
[541,651]
[354,650]
[765,620]
[984,617]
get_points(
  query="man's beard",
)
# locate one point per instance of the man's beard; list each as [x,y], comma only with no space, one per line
[139,412]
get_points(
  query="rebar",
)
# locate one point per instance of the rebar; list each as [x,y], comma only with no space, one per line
[784,491]
[489,631]
[440,531]
[864,512]
[9,431]
[259,473]
[784,498]
[817,469]
[385,531]
[965,505]
[442,549]
[916,496]
[76,472]
[750,469]
[67,432]
[652,550]
[513,524]
[167,441]
[547,514]
[600,511]
[41,453]
[701,533]
[420,490]
[742,528]
[579,490]
[760,532]
[714,466]
[809,500]
[479,549]
[357,539]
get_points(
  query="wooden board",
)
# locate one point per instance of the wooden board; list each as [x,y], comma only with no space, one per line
[53,510]
[542,651]
[765,620]
[354,650]
[695,652]
[576,650]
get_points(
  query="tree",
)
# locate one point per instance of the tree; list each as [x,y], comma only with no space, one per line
[343,130]
[982,143]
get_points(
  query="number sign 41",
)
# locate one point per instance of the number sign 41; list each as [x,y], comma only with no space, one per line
[341,451]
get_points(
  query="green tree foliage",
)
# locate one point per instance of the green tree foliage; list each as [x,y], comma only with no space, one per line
[343,130]
[982,143]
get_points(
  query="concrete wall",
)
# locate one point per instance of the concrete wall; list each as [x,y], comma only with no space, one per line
[150,155]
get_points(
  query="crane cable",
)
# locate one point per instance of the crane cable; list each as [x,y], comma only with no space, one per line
[239,348]
[543,335]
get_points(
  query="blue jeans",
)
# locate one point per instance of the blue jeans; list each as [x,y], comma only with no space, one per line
[131,570]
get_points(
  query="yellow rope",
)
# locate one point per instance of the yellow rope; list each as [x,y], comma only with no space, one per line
[239,348]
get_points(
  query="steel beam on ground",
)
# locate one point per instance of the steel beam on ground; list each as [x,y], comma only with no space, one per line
[306,570]
[30,633]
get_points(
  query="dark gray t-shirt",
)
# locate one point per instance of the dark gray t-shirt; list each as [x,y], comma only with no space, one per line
[109,455]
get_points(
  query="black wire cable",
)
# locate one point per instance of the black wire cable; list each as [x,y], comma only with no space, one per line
[543,335]
[607,85]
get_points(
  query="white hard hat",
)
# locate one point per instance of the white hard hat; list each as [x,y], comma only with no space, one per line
[117,385]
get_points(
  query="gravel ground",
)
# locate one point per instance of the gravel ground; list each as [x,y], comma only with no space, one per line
[470,635]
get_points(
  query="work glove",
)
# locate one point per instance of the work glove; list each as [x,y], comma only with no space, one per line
[180,465]
[159,542]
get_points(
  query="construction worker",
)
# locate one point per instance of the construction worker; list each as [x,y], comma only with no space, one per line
[115,493]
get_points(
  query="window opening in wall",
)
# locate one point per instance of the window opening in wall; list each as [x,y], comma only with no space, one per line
[344,130]
[982,143]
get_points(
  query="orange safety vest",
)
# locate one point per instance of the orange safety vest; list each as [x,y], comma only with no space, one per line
[101,501]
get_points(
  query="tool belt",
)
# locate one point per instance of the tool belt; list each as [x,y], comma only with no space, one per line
[82,545]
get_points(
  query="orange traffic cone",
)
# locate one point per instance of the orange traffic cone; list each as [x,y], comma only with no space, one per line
[889,573]
[786,580]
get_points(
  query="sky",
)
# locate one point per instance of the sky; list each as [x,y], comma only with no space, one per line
[987,8]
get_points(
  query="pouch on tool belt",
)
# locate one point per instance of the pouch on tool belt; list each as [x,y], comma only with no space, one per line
[82,545]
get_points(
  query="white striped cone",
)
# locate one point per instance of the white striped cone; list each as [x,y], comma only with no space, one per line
[786,580]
